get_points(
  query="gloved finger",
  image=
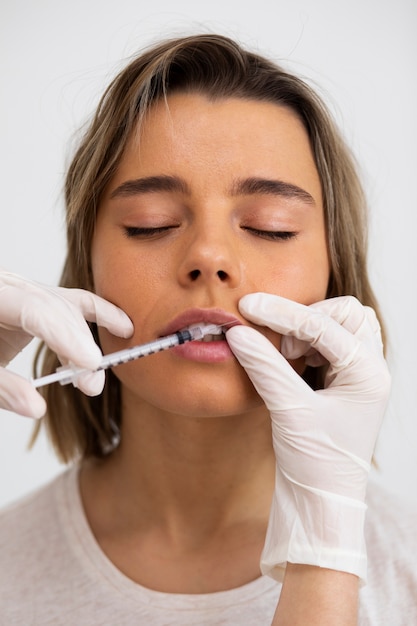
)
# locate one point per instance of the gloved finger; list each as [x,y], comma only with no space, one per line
[59,320]
[57,316]
[359,320]
[293,348]
[84,305]
[274,379]
[32,311]
[64,330]
[337,345]
[91,383]
[98,310]
[19,396]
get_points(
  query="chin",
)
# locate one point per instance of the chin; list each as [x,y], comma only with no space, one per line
[217,405]
[207,393]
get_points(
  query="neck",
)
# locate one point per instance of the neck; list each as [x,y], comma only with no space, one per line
[186,495]
[172,467]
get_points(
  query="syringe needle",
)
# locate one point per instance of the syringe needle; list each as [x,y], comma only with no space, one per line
[67,374]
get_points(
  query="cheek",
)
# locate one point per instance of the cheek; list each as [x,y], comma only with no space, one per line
[132,281]
[117,277]
[304,279]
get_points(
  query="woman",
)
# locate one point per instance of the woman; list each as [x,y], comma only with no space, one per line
[211,187]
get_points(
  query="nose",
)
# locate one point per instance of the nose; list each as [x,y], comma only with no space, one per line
[210,258]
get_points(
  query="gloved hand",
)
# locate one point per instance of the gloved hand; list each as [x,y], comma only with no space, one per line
[323,440]
[58,317]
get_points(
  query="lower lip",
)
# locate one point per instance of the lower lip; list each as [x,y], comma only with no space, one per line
[204,351]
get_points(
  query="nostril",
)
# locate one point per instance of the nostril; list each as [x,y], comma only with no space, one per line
[194,274]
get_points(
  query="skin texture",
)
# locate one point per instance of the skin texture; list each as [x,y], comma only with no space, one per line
[209,146]
[188,490]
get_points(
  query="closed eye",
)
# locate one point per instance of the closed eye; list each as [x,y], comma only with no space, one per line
[272,235]
[146,232]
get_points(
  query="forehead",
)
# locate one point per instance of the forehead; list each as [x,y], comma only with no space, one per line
[213,140]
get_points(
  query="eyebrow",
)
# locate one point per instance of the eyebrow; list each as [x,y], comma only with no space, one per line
[273,187]
[150,184]
[243,187]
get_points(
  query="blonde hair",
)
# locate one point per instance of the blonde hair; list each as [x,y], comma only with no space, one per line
[218,68]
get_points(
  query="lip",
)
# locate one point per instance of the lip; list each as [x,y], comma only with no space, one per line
[197,316]
[199,351]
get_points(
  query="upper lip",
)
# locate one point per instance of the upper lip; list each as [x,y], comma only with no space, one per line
[196,316]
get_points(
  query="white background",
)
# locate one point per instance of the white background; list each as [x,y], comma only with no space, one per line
[56,58]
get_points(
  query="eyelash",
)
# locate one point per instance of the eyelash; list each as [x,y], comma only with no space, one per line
[137,231]
[281,235]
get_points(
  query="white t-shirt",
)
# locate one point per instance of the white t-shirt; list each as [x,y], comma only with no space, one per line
[53,572]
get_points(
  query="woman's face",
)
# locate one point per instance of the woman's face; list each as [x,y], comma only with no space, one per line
[212,200]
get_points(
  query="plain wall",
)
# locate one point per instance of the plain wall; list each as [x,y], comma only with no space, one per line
[57,57]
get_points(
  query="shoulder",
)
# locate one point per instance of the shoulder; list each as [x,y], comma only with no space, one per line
[391,522]
[30,502]
[30,532]
[391,539]
[33,511]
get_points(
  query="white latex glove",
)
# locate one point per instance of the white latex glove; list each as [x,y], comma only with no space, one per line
[58,317]
[323,440]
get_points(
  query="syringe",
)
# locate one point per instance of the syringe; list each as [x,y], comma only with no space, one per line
[67,374]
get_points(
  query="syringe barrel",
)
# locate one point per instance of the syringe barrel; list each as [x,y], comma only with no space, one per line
[146,349]
[66,374]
